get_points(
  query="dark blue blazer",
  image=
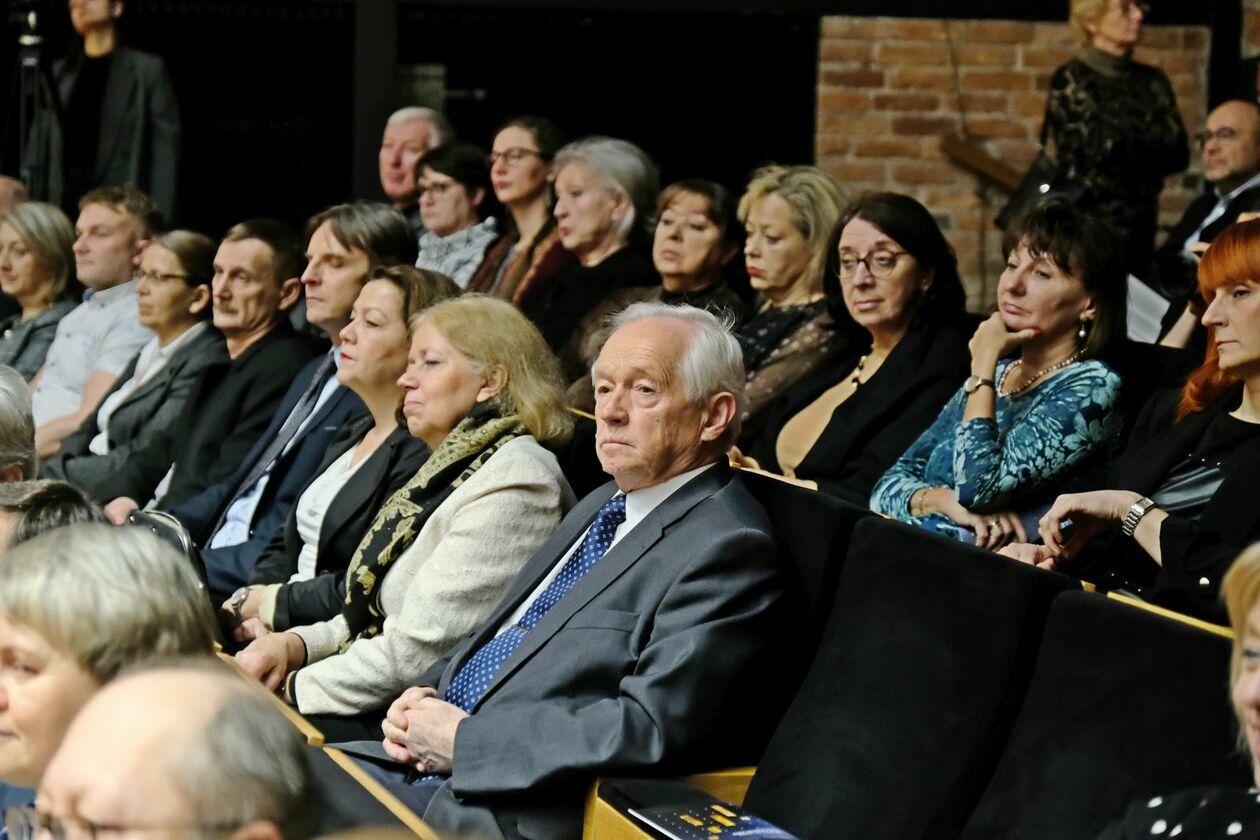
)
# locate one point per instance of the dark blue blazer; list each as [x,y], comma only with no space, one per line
[230,567]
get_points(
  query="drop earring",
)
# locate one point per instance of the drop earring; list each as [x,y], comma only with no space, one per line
[1083,332]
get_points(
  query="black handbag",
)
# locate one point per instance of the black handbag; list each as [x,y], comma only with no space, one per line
[1044,180]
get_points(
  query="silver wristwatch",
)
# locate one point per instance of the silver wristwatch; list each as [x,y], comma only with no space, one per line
[974,383]
[237,601]
[1135,514]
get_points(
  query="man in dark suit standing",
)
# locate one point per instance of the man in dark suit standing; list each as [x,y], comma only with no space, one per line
[623,645]
[1230,152]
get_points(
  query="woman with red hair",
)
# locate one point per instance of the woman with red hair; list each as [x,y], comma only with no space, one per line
[1191,466]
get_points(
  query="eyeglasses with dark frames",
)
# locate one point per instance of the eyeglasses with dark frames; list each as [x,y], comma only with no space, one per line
[513,156]
[880,263]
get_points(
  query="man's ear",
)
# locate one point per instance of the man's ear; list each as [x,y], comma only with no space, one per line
[11,473]
[496,381]
[290,293]
[200,300]
[718,417]
[478,196]
[141,246]
[258,830]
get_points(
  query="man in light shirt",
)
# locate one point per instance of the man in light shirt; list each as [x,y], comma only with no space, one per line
[95,342]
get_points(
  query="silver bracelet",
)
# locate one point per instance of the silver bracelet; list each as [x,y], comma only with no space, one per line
[1135,514]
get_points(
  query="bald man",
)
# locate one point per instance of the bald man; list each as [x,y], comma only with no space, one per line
[177,750]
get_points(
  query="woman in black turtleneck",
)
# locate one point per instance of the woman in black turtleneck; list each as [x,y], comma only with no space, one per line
[120,123]
[1113,127]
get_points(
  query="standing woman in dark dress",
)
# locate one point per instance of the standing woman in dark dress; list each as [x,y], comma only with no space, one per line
[1183,501]
[119,120]
[1113,127]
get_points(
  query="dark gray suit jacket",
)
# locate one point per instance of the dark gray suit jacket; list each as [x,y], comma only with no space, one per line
[140,418]
[140,132]
[640,667]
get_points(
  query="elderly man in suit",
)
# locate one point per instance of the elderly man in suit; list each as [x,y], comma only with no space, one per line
[1230,151]
[623,644]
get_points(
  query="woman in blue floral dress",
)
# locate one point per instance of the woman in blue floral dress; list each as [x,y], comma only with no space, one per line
[1038,405]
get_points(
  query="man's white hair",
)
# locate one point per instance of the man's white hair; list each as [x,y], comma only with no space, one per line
[713,361]
[440,128]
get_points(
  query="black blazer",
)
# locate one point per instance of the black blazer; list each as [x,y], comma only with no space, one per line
[142,416]
[229,567]
[1173,276]
[231,406]
[872,428]
[347,519]
[1195,553]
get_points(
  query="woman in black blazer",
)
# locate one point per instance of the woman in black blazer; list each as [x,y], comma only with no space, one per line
[299,578]
[173,297]
[1188,503]
[892,284]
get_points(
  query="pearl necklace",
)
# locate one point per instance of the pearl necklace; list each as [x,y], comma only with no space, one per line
[856,380]
[1075,357]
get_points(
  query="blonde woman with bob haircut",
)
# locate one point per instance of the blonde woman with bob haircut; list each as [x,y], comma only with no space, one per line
[78,605]
[484,392]
[36,270]
[789,214]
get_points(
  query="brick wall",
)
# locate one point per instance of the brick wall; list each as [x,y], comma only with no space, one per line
[886,95]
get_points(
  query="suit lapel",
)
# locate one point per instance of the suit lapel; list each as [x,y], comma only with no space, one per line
[120,92]
[361,485]
[619,559]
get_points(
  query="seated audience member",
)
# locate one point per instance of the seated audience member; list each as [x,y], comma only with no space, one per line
[95,341]
[896,278]
[234,519]
[789,214]
[190,750]
[1184,503]
[454,187]
[29,508]
[37,271]
[1020,426]
[255,284]
[605,190]
[17,428]
[173,294]
[1217,811]
[12,193]
[77,606]
[409,133]
[528,248]
[622,646]
[300,578]
[483,394]
[694,241]
[1229,147]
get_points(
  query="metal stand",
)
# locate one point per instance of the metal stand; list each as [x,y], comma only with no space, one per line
[31,96]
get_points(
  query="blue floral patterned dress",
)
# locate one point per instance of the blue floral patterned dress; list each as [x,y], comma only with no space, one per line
[1038,437]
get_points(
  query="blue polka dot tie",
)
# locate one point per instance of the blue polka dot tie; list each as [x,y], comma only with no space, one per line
[474,677]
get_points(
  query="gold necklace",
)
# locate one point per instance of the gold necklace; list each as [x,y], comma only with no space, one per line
[1036,376]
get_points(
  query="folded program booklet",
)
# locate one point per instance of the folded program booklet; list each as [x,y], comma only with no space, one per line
[715,821]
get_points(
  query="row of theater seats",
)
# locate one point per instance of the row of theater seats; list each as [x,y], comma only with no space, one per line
[955,694]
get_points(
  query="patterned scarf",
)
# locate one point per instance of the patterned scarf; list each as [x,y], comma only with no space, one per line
[469,445]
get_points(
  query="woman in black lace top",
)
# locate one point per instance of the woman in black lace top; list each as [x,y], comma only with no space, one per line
[1113,127]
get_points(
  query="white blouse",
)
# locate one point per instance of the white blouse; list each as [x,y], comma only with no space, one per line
[313,504]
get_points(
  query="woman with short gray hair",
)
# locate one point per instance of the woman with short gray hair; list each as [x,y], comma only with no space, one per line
[36,270]
[77,606]
[605,192]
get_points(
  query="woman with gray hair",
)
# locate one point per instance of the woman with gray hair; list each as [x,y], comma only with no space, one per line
[605,192]
[17,428]
[77,606]
[36,270]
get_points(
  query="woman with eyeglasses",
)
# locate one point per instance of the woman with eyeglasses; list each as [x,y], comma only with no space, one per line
[893,282]
[173,297]
[1113,127]
[454,190]
[529,247]
[1039,407]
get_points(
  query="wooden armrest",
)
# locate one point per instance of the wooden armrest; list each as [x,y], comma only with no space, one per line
[729,785]
[312,735]
[1175,616]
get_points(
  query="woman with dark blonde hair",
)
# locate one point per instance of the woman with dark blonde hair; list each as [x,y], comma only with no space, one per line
[1188,505]
[37,271]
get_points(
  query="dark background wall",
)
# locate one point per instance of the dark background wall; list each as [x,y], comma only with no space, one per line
[283,100]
